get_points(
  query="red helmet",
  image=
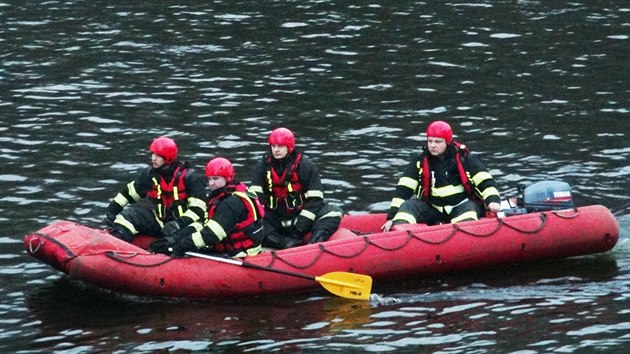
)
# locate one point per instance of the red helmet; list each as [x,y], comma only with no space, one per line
[440,129]
[220,167]
[282,136]
[165,147]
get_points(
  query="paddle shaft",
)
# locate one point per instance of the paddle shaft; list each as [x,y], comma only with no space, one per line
[348,285]
[251,265]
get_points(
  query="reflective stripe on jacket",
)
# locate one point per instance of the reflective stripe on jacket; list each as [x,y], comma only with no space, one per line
[445,182]
[244,238]
[285,190]
[169,196]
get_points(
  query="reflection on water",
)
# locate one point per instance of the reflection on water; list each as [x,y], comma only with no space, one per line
[109,319]
[537,89]
[447,314]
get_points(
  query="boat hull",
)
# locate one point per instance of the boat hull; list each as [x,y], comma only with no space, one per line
[358,246]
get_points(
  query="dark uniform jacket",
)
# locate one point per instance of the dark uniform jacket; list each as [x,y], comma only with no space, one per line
[446,188]
[302,204]
[191,209]
[233,228]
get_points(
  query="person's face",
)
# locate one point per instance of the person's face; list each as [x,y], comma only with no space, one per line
[279,151]
[157,161]
[216,182]
[437,146]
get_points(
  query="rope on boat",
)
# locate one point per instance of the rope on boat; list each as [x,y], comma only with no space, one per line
[116,256]
[543,221]
[564,213]
[42,238]
[450,236]
[120,257]
[322,248]
[411,235]
[125,257]
[33,250]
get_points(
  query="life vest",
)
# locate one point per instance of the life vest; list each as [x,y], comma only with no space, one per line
[285,190]
[248,232]
[425,176]
[169,197]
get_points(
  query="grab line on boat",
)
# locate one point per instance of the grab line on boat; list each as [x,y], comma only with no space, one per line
[561,213]
[30,245]
[116,256]
[543,222]
[53,240]
[275,257]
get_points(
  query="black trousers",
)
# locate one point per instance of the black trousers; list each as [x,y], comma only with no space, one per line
[141,218]
[425,213]
[279,236]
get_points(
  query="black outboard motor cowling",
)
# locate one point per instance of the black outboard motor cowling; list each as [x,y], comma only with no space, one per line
[546,195]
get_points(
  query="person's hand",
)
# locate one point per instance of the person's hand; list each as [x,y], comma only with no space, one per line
[494,207]
[163,245]
[387,226]
[182,242]
[184,245]
[182,233]
[109,219]
[113,209]
[317,237]
[172,227]
[297,234]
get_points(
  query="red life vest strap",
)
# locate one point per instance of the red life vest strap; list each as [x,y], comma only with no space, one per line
[426,178]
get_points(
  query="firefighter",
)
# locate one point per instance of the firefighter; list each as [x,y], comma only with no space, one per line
[177,195]
[289,185]
[445,183]
[234,224]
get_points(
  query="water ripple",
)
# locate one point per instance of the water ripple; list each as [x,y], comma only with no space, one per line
[538,90]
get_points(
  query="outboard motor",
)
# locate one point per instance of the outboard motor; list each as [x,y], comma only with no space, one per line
[545,195]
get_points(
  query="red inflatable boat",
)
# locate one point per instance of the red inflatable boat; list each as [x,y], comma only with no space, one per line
[358,246]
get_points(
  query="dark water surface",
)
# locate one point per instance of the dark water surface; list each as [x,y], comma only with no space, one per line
[539,89]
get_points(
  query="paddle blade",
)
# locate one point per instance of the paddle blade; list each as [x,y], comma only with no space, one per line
[348,285]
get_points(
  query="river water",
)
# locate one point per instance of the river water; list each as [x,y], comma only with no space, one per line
[538,89]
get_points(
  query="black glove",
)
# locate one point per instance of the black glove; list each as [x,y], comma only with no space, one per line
[182,241]
[172,227]
[184,245]
[109,219]
[296,238]
[112,210]
[297,234]
[317,237]
[182,233]
[163,245]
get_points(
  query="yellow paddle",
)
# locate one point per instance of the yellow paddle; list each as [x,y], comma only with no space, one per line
[344,284]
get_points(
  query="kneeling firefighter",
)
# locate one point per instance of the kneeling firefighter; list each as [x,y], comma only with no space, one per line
[235,219]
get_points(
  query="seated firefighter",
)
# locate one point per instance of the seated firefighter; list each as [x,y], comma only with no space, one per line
[177,194]
[289,185]
[445,183]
